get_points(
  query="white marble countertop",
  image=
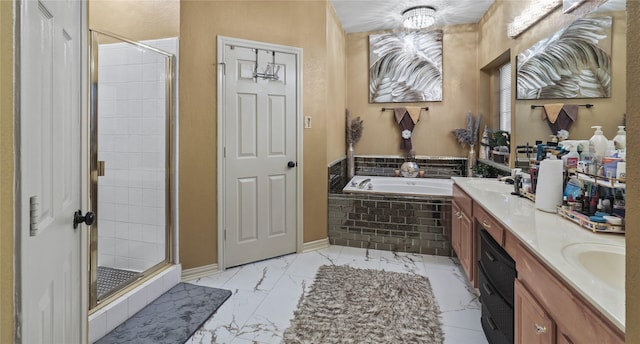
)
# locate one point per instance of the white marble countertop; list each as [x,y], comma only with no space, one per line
[553,239]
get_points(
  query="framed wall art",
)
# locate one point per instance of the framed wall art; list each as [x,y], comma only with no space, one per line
[575,62]
[405,67]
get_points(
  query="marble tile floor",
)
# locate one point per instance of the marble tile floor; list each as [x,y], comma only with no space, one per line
[266,293]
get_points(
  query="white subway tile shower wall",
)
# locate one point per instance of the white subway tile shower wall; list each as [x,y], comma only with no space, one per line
[131,138]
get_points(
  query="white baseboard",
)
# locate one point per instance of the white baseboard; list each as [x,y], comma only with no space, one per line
[315,245]
[201,271]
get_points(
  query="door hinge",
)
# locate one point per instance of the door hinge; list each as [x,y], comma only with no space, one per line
[224,152]
[224,68]
[225,235]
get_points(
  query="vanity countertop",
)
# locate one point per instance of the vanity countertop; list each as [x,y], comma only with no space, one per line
[555,241]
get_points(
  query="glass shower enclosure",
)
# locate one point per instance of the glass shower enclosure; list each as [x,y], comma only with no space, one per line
[131,163]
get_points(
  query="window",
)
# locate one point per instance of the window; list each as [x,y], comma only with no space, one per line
[504,97]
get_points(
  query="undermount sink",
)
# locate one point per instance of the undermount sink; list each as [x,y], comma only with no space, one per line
[606,263]
[492,185]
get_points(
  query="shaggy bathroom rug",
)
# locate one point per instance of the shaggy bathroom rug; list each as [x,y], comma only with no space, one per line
[349,305]
[170,319]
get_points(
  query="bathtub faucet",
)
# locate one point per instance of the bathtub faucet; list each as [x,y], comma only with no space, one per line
[363,183]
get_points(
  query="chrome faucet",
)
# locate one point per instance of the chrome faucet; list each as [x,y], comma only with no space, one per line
[363,183]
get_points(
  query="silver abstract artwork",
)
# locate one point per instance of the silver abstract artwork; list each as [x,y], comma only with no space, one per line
[405,67]
[575,62]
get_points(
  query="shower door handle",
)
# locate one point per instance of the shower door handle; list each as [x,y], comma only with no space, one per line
[88,218]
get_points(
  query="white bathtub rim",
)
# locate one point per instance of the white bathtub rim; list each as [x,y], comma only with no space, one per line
[444,186]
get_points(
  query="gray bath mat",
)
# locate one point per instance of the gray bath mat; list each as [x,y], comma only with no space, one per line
[349,305]
[170,319]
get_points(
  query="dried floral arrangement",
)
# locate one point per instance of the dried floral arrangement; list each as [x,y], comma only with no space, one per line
[468,135]
[354,129]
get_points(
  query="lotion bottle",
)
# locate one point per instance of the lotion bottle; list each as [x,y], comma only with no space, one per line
[597,144]
[620,140]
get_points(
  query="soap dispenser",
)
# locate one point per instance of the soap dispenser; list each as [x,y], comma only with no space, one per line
[598,144]
[620,140]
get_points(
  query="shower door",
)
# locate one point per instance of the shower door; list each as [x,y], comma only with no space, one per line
[131,163]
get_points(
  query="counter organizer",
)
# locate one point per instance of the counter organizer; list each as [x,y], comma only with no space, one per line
[582,219]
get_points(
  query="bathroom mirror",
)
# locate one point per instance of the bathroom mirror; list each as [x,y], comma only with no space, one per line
[529,123]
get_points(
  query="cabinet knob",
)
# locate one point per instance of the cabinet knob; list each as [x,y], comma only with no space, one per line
[541,329]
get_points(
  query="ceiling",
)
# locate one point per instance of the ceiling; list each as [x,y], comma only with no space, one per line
[376,15]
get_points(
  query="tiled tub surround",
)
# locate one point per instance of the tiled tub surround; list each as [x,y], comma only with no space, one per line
[391,223]
[433,167]
[394,223]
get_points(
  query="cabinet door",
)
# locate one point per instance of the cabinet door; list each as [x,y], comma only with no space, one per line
[532,324]
[455,227]
[466,246]
[562,339]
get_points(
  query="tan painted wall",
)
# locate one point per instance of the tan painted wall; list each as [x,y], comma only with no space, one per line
[633,188]
[432,134]
[337,93]
[136,19]
[527,124]
[6,171]
[294,23]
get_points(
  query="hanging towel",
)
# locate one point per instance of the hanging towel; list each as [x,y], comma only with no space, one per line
[560,116]
[552,111]
[403,118]
[414,112]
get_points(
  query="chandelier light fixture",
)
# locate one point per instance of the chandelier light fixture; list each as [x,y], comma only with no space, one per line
[418,17]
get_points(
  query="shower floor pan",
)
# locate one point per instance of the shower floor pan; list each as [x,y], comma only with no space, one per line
[110,279]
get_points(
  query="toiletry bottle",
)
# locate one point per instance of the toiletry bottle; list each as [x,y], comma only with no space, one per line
[585,202]
[577,205]
[593,205]
[620,140]
[570,160]
[597,144]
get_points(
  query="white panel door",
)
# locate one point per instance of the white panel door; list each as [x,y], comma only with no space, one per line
[51,95]
[260,141]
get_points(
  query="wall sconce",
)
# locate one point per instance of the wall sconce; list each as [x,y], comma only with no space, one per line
[531,15]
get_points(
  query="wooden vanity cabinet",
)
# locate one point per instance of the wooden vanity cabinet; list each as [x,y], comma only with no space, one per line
[532,324]
[547,301]
[547,310]
[463,237]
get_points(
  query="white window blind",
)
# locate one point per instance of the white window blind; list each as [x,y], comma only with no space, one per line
[505,97]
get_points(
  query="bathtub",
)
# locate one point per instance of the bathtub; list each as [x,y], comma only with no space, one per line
[399,186]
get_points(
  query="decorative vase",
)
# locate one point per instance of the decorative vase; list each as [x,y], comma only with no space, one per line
[471,161]
[350,162]
[409,169]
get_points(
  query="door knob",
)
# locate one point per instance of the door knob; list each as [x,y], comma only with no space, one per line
[88,218]
[291,164]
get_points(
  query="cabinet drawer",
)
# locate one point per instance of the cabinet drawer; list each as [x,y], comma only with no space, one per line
[489,223]
[500,311]
[579,322]
[498,267]
[491,330]
[464,201]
